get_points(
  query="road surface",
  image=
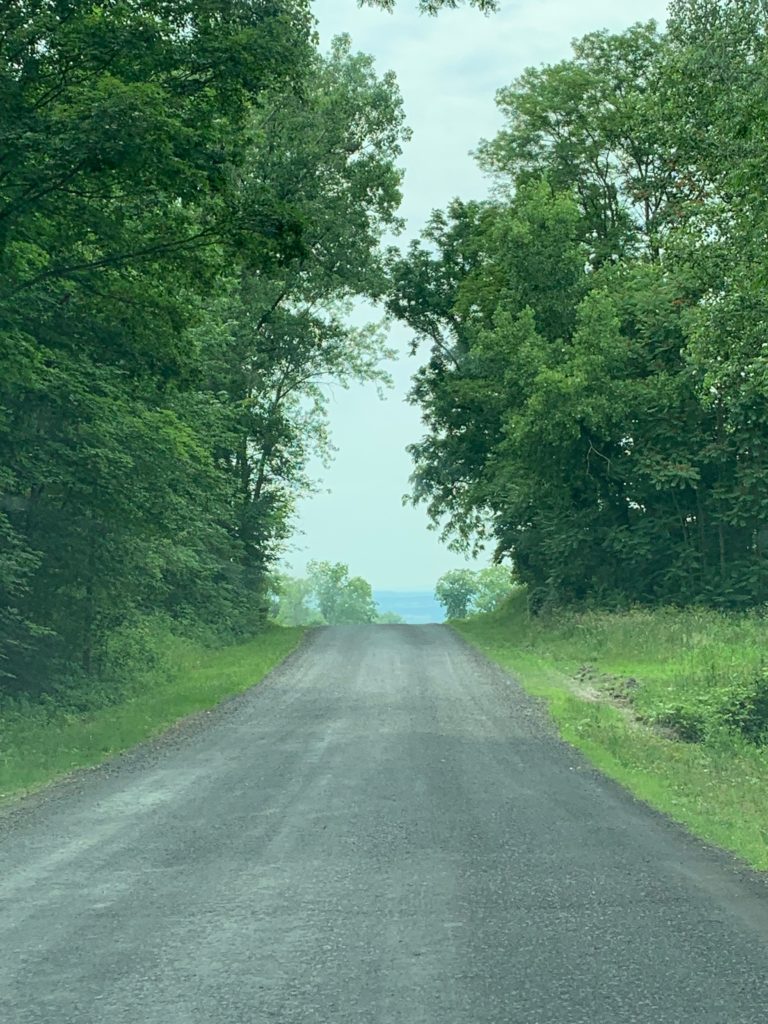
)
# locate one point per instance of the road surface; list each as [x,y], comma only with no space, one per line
[386,831]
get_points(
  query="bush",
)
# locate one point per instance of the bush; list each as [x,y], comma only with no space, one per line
[738,704]
[747,710]
[687,723]
[696,672]
[133,656]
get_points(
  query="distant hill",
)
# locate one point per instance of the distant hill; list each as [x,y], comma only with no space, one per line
[413,606]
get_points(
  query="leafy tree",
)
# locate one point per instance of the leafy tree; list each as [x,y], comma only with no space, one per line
[329,596]
[466,591]
[455,591]
[281,338]
[356,602]
[123,127]
[294,603]
[190,196]
[493,586]
[17,564]
[592,126]
[595,396]
[341,598]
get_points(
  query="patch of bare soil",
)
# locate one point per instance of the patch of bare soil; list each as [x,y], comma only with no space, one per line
[618,691]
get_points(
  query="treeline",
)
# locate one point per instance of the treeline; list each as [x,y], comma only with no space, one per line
[190,193]
[596,391]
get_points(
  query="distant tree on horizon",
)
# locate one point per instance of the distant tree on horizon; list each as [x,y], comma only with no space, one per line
[327,596]
[455,590]
[464,592]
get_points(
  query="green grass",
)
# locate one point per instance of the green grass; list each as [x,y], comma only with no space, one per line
[40,742]
[684,665]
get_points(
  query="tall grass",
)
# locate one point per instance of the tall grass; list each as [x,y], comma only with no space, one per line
[673,703]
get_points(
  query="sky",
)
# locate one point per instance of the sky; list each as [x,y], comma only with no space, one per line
[449,69]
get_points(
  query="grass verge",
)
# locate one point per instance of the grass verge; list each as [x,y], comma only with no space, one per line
[40,742]
[624,689]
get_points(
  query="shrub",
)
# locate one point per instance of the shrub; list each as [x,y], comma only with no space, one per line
[747,710]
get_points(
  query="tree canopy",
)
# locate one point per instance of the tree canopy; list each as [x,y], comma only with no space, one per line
[596,395]
[435,6]
[190,196]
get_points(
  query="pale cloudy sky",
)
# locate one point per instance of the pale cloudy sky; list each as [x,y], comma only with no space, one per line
[449,69]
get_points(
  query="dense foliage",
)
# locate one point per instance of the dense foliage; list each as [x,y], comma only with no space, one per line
[596,398]
[189,195]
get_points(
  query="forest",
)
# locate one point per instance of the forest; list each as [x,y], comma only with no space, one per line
[191,196]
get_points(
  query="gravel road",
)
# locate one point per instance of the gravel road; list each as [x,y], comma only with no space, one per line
[386,831]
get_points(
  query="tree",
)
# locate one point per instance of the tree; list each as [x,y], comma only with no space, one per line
[594,397]
[329,596]
[356,602]
[282,336]
[294,603]
[124,126]
[342,599]
[592,127]
[466,591]
[190,197]
[492,587]
[455,591]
